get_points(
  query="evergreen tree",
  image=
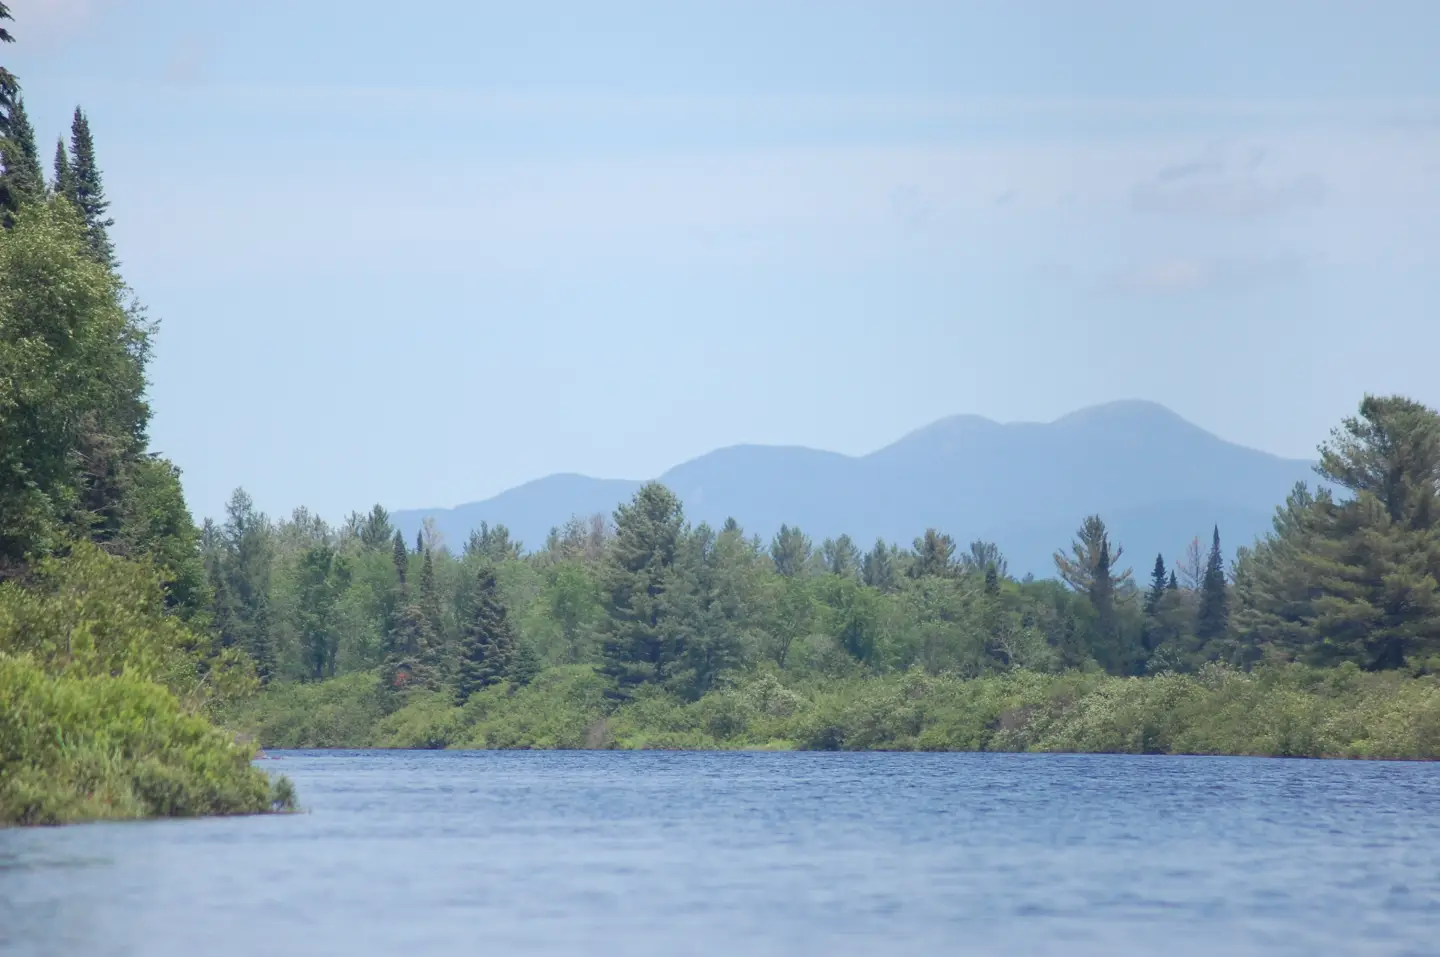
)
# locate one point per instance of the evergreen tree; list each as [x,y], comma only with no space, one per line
[9,86]
[841,557]
[1355,580]
[878,569]
[1159,582]
[65,176]
[992,581]
[1212,617]
[790,551]
[638,648]
[984,555]
[22,182]
[934,555]
[1081,567]
[430,595]
[488,649]
[1102,598]
[707,606]
[1173,584]
[90,190]
[420,542]
[402,562]
[375,530]
[248,559]
[406,659]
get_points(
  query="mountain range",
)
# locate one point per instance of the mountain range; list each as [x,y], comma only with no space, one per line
[1157,480]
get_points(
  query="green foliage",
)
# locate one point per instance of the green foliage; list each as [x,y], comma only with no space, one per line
[72,415]
[93,615]
[88,192]
[80,747]
[1290,711]
[22,183]
[1354,580]
[638,648]
[488,651]
[1212,618]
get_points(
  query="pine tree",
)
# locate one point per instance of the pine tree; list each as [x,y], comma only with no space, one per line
[64,185]
[637,648]
[934,555]
[790,551]
[420,542]
[1213,615]
[1159,582]
[90,190]
[1173,584]
[1080,568]
[488,647]
[22,182]
[375,529]
[992,581]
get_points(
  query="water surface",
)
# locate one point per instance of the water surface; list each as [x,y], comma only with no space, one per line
[446,853]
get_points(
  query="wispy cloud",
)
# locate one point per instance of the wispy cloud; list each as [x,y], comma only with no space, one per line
[1215,186]
[1229,199]
[1190,275]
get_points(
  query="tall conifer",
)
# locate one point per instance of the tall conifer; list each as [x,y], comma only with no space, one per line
[1213,616]
[402,561]
[1159,581]
[487,652]
[90,189]
[22,182]
[64,183]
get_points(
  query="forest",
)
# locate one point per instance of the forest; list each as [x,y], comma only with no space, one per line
[141,652]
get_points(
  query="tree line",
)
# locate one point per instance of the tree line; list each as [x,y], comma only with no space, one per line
[650,600]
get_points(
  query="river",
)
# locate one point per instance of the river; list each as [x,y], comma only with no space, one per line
[424,854]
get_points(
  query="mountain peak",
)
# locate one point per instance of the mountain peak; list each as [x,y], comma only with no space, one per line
[1157,479]
[1126,412]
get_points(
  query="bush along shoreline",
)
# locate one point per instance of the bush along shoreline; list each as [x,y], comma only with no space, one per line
[1291,711]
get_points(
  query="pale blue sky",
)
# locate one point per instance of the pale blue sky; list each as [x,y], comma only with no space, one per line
[421,253]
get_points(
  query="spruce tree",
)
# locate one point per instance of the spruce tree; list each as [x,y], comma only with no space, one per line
[430,595]
[638,648]
[488,648]
[64,185]
[9,86]
[22,182]
[1159,582]
[90,190]
[420,541]
[1173,584]
[402,562]
[1212,618]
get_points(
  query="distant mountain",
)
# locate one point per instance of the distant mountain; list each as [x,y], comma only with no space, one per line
[1158,481]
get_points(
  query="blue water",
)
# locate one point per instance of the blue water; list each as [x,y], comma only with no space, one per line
[435,853]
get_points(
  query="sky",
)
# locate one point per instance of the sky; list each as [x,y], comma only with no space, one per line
[418,254]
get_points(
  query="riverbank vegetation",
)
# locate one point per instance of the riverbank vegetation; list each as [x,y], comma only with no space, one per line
[109,678]
[646,631]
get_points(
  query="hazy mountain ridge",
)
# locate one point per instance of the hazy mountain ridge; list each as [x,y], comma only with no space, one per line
[1158,480]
